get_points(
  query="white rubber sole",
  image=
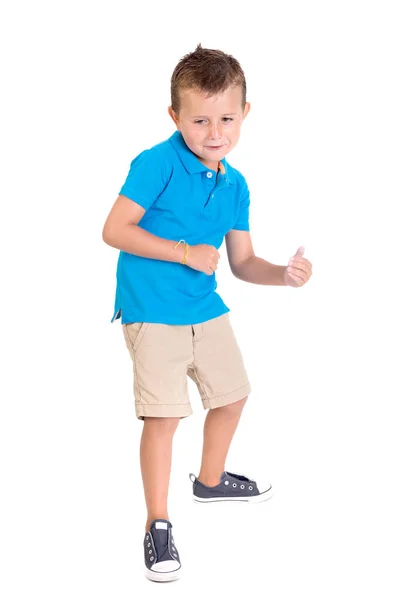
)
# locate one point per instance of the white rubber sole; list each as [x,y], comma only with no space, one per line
[251,499]
[160,576]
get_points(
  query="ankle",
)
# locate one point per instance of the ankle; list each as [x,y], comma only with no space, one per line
[209,479]
[150,519]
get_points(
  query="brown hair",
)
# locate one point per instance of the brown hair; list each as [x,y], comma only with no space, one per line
[206,70]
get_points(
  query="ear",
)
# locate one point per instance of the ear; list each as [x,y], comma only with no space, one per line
[173,116]
[247,107]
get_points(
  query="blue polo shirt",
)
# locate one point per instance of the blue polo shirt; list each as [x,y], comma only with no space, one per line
[183,199]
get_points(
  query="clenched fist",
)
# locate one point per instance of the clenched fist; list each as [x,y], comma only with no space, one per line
[299,269]
[203,257]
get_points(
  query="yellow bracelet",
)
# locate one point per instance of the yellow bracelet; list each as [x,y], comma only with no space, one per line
[186,250]
[186,253]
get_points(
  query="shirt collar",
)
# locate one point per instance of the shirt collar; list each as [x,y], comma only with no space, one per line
[193,165]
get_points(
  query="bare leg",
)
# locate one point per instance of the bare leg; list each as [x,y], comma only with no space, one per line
[155,462]
[219,427]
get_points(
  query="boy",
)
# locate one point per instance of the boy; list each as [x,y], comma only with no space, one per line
[180,200]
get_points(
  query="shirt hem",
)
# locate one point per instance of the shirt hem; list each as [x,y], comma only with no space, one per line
[167,320]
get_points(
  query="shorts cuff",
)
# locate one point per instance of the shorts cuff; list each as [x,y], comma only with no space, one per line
[163,410]
[225,399]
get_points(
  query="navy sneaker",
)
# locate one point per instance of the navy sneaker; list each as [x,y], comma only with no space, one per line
[160,554]
[232,486]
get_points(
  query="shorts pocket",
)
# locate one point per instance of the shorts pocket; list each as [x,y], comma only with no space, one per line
[134,333]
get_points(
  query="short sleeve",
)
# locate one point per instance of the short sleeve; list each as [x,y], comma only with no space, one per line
[147,178]
[242,220]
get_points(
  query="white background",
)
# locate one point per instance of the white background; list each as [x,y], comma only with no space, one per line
[85,89]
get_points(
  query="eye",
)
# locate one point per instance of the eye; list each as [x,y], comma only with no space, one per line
[226,119]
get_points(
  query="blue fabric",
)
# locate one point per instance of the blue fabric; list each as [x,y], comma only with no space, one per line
[183,199]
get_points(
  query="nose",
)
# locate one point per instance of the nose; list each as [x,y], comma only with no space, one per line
[216,131]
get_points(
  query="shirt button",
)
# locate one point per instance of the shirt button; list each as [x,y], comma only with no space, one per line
[209,174]
[212,195]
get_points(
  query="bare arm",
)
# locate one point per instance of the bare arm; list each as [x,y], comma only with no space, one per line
[258,270]
[122,232]
[245,265]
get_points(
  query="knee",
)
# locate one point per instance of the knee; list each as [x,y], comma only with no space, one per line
[234,407]
[162,424]
[240,403]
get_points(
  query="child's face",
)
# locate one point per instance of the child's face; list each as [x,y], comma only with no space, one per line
[210,126]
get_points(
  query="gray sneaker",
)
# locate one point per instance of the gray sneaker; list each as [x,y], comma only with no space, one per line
[160,554]
[232,486]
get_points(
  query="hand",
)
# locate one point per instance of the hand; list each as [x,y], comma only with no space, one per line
[203,258]
[299,270]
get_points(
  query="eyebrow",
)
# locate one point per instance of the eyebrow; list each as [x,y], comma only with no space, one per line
[206,116]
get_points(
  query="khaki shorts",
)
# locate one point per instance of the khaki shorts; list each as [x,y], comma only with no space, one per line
[164,355]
